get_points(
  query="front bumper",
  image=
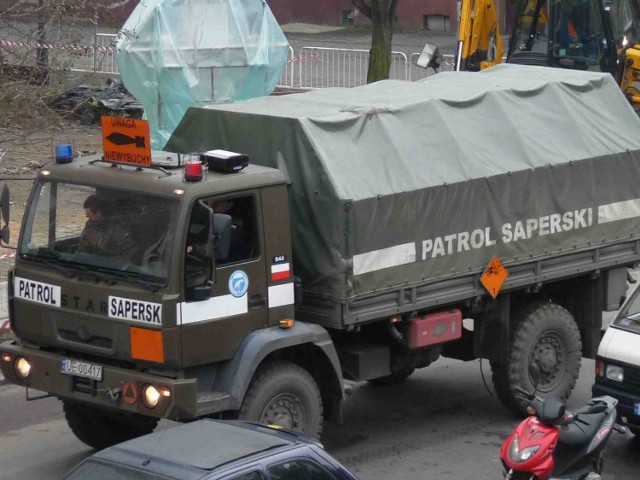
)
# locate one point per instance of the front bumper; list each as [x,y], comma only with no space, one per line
[120,388]
[626,401]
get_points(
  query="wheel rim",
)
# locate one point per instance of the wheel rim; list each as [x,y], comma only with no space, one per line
[284,410]
[549,353]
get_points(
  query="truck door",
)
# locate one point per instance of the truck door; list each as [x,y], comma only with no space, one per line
[214,327]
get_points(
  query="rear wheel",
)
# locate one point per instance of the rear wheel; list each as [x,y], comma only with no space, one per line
[286,395]
[100,428]
[547,334]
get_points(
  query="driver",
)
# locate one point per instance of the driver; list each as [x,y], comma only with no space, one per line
[103,234]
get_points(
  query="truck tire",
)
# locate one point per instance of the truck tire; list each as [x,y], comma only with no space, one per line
[100,429]
[547,334]
[284,394]
[396,377]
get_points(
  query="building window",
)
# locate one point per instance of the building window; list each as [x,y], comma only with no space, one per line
[436,23]
[349,17]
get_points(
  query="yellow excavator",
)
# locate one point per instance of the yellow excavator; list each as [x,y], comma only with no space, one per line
[597,35]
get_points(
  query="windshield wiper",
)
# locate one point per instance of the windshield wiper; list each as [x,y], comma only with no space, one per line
[51,260]
[135,278]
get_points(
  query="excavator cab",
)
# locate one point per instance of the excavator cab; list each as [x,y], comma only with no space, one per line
[575,34]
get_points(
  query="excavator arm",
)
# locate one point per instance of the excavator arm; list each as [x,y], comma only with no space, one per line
[479,40]
[630,81]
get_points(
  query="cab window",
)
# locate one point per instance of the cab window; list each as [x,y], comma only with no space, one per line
[248,476]
[579,35]
[231,239]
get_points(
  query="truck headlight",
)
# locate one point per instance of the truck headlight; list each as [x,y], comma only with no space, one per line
[520,456]
[615,373]
[151,395]
[22,368]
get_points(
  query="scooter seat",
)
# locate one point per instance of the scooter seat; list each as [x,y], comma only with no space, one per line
[582,430]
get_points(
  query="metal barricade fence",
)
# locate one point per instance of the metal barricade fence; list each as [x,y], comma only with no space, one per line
[104,53]
[321,67]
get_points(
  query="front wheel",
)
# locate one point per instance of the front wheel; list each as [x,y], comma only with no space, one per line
[286,395]
[101,428]
[547,334]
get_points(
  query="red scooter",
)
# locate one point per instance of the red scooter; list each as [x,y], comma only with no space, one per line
[555,444]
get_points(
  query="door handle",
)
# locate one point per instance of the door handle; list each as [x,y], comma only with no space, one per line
[257,301]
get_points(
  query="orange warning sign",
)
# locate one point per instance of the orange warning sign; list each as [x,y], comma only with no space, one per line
[126,140]
[130,393]
[494,276]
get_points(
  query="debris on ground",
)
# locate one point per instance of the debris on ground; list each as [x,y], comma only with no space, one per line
[89,102]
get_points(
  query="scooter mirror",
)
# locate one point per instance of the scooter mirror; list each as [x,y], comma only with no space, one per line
[597,408]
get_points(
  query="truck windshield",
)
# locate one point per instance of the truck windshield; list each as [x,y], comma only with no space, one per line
[629,316]
[105,232]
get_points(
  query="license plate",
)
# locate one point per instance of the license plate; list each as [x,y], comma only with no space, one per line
[636,408]
[81,369]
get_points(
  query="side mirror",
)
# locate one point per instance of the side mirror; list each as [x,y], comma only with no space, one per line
[5,211]
[5,235]
[429,57]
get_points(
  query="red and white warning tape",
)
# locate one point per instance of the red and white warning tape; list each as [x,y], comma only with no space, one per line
[299,58]
[7,256]
[53,46]
[4,325]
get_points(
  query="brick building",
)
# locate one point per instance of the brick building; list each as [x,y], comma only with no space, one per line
[433,15]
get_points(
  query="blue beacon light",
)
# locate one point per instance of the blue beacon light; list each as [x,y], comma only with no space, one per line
[64,153]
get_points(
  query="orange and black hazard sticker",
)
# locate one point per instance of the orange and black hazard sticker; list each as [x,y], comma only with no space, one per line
[494,276]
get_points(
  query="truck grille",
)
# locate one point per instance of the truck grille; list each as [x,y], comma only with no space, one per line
[95,341]
[632,378]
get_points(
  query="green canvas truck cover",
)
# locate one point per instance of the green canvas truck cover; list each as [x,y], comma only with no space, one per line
[400,183]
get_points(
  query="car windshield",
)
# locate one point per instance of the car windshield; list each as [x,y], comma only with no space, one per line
[97,470]
[629,316]
[103,232]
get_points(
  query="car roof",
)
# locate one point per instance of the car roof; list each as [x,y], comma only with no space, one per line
[204,444]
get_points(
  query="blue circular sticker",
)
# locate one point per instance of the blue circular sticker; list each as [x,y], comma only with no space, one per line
[238,283]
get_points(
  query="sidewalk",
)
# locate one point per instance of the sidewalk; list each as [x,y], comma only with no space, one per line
[407,41]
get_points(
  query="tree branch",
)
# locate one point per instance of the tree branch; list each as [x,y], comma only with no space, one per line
[363,8]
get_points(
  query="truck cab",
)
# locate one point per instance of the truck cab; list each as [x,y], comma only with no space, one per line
[139,289]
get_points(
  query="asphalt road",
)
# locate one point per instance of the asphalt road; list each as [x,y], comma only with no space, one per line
[440,424]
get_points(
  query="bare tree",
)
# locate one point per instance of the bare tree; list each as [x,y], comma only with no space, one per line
[382,13]
[39,36]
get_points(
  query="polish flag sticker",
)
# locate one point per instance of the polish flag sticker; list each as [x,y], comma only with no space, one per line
[281,271]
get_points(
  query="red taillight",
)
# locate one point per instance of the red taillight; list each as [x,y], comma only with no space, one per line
[599,368]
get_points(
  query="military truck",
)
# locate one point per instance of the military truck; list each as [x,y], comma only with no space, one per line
[483,215]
